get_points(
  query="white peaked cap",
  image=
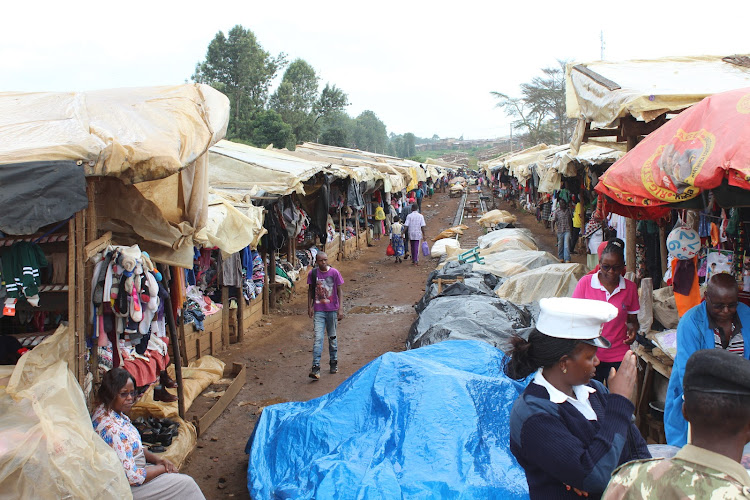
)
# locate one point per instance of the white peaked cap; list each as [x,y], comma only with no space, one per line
[578,319]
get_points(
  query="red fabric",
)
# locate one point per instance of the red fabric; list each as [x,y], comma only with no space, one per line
[698,149]
[147,373]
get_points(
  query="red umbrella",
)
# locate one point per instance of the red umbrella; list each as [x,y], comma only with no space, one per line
[707,146]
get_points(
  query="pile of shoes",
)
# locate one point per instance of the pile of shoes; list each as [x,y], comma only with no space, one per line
[156,434]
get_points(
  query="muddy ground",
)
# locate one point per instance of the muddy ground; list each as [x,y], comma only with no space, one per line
[378,300]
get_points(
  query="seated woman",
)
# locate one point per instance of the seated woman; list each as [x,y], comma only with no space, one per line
[150,476]
[568,431]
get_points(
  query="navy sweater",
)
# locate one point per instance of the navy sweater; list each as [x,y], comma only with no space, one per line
[556,445]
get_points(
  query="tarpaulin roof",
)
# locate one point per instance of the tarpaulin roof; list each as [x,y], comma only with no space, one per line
[146,146]
[239,170]
[425,423]
[601,92]
[135,134]
[231,227]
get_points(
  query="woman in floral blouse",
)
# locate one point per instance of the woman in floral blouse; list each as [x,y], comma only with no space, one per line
[149,475]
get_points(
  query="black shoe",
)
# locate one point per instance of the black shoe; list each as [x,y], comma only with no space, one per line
[315,372]
[334,366]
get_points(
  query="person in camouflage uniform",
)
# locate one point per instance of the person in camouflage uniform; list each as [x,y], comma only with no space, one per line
[717,405]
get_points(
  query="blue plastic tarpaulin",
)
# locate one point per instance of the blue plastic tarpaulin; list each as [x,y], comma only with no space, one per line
[427,423]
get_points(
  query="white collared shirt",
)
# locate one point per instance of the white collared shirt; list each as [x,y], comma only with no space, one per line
[580,402]
[595,283]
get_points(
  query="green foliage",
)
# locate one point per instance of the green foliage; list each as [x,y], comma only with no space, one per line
[295,97]
[337,129]
[269,128]
[541,110]
[370,133]
[238,66]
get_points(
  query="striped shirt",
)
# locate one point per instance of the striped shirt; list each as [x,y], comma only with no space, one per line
[736,342]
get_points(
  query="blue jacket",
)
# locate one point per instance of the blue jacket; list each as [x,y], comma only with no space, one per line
[693,334]
[557,446]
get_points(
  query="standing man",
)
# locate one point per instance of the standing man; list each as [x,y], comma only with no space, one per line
[415,225]
[717,405]
[419,193]
[562,219]
[718,323]
[324,299]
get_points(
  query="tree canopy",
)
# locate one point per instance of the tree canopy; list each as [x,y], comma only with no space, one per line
[540,111]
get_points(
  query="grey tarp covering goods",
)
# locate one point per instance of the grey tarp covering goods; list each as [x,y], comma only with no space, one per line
[426,423]
[477,317]
[472,283]
[38,193]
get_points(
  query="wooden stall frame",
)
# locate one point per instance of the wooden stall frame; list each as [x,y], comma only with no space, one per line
[238,373]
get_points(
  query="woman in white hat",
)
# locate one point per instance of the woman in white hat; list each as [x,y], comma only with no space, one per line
[567,430]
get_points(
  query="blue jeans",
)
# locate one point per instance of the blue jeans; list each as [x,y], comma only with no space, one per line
[325,321]
[563,246]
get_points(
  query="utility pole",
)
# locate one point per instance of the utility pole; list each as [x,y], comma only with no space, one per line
[601,44]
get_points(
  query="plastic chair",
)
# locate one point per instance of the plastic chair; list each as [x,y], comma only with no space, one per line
[471,256]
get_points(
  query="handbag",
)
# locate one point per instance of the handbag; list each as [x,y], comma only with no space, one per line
[425,249]
[390,252]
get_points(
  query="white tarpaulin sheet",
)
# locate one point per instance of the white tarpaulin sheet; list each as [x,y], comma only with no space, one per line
[136,134]
[646,89]
[239,170]
[554,280]
[512,262]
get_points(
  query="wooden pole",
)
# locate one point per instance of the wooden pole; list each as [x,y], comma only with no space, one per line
[241,313]
[224,316]
[73,335]
[272,278]
[174,340]
[663,250]
[265,295]
[356,227]
[342,232]
[630,224]
[86,274]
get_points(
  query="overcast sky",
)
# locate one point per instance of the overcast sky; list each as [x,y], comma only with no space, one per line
[422,67]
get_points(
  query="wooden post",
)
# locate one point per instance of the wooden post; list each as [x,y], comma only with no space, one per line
[663,251]
[272,277]
[87,271]
[79,321]
[224,317]
[175,341]
[356,227]
[342,232]
[265,297]
[72,334]
[240,314]
[630,224]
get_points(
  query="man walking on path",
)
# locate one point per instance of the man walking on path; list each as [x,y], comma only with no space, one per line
[324,300]
[415,225]
[419,193]
[562,219]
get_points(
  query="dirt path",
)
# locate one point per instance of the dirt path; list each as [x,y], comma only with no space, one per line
[378,300]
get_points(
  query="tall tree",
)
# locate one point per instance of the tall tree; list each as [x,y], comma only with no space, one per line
[410,148]
[295,98]
[238,66]
[269,128]
[332,100]
[370,133]
[540,112]
[337,129]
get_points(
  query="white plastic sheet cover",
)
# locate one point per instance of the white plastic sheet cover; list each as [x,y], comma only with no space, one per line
[554,280]
[136,134]
[440,247]
[48,447]
[512,262]
[231,228]
[489,239]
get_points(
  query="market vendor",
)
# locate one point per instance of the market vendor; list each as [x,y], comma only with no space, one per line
[608,285]
[567,430]
[150,476]
[721,322]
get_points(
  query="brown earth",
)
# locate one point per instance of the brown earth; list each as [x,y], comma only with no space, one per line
[378,301]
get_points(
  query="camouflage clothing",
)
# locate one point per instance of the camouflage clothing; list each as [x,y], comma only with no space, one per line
[692,473]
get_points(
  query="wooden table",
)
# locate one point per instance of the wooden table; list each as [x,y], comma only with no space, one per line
[649,364]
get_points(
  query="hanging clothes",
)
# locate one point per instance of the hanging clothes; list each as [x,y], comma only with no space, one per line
[685,284]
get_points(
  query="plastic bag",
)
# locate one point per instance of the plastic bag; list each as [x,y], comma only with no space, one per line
[379,213]
[425,249]
[48,447]
[390,252]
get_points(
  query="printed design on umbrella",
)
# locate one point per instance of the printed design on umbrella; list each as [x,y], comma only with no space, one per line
[669,174]
[743,105]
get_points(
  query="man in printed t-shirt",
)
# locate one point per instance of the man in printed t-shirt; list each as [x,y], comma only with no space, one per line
[324,298]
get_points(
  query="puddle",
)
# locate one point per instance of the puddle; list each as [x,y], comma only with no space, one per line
[381,310]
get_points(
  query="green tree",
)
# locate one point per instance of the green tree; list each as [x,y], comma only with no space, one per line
[238,66]
[332,100]
[269,128]
[540,112]
[295,98]
[410,148]
[337,129]
[370,133]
